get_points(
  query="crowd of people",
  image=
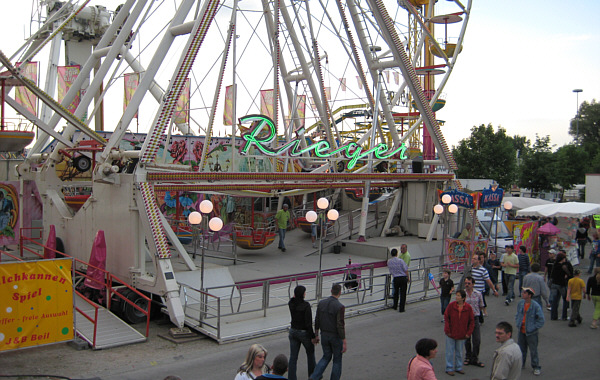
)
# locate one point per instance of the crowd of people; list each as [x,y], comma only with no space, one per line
[462,317]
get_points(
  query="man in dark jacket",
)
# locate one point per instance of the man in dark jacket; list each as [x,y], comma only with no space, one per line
[330,321]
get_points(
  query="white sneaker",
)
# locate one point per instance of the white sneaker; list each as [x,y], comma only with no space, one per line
[315,245]
[537,372]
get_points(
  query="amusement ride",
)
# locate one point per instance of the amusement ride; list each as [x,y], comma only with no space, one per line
[247,103]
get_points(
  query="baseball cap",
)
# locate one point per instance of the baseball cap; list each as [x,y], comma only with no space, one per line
[529,290]
[553,251]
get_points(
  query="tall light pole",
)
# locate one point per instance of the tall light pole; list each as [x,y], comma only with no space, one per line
[577,91]
[215,224]
[312,217]
[445,208]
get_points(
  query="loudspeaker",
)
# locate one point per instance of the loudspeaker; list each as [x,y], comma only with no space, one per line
[417,165]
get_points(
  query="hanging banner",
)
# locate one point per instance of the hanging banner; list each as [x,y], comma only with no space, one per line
[266,103]
[228,109]
[597,221]
[327,93]
[387,76]
[66,77]
[396,77]
[360,85]
[343,84]
[23,96]
[459,198]
[132,81]
[525,234]
[491,198]
[300,109]
[182,109]
[37,303]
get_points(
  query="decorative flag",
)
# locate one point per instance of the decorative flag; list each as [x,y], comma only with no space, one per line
[300,109]
[397,77]
[343,83]
[23,96]
[360,86]
[266,103]
[327,93]
[228,110]
[387,76]
[313,106]
[182,109]
[66,77]
[132,81]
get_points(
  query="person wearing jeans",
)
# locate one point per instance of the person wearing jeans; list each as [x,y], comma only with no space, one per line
[301,332]
[459,323]
[562,271]
[510,265]
[330,321]
[529,320]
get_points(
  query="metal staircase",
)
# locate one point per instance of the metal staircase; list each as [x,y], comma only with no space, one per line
[107,331]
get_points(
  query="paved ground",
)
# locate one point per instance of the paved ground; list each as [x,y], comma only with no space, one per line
[380,344]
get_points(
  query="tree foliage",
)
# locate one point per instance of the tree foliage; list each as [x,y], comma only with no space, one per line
[487,154]
[572,162]
[585,127]
[537,170]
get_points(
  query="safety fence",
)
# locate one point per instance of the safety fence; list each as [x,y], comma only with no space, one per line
[259,307]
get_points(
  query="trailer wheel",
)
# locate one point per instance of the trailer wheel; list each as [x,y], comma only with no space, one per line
[130,313]
[82,164]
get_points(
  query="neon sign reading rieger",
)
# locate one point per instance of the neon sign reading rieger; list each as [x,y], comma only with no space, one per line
[322,149]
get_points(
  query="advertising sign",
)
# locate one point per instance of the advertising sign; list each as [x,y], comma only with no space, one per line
[36,303]
[491,198]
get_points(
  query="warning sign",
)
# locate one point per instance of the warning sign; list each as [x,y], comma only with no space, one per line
[36,303]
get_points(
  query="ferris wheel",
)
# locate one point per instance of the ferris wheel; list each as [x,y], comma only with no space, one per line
[245,92]
[366,72]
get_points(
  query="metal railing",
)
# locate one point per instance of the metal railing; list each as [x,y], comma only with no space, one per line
[110,283]
[370,290]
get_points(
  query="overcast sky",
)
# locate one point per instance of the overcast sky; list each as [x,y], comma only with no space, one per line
[520,63]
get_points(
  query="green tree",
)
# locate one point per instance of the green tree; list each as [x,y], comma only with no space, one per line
[585,129]
[487,154]
[572,162]
[537,170]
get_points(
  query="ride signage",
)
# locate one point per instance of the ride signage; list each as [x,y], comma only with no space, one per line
[491,198]
[460,199]
[321,149]
[37,303]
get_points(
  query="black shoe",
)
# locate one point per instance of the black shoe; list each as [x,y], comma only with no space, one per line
[572,324]
[579,320]
[282,249]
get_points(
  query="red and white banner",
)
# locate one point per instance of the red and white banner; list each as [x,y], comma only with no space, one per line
[300,109]
[182,109]
[397,77]
[360,85]
[66,77]
[132,81]
[343,84]
[266,103]
[228,110]
[22,95]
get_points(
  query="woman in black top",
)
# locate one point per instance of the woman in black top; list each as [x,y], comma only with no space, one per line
[562,271]
[301,332]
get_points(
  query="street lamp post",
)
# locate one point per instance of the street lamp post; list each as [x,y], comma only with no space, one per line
[312,217]
[445,208]
[215,224]
[577,91]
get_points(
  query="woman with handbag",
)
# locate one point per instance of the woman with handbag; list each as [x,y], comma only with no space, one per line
[419,367]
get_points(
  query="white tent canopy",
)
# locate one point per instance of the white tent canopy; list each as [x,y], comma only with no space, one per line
[520,203]
[568,210]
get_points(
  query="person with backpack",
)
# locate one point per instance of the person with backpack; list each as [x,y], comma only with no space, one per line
[562,272]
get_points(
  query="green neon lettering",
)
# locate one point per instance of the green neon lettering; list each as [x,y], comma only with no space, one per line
[352,151]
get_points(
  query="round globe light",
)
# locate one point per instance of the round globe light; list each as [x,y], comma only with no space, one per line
[508,205]
[333,214]
[446,198]
[194,218]
[438,209]
[311,216]
[215,224]
[206,206]
[322,203]
[453,208]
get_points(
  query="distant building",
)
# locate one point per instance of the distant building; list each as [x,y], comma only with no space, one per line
[592,188]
